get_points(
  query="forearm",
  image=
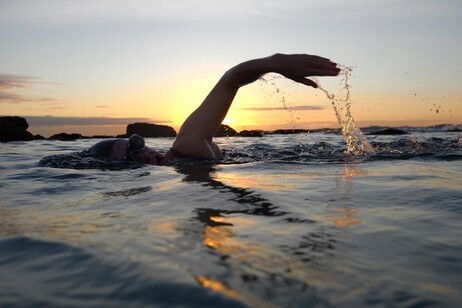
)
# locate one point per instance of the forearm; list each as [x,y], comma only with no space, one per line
[298,68]
[249,71]
[208,116]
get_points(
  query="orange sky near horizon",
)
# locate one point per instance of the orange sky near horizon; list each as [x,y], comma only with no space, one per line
[157,61]
[257,106]
[367,109]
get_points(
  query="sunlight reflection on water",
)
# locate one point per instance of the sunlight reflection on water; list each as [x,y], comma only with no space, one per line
[269,232]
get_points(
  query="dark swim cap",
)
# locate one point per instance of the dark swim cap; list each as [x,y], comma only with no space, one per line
[135,144]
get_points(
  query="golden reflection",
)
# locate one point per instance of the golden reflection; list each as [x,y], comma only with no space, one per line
[267,259]
[261,181]
[351,171]
[62,227]
[345,216]
[226,231]
[424,175]
[444,290]
[7,222]
[217,287]
[159,225]
[347,220]
[215,236]
[217,219]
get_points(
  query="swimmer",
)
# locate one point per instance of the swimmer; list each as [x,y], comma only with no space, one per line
[195,137]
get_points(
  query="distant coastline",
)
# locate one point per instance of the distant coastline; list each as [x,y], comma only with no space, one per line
[14,128]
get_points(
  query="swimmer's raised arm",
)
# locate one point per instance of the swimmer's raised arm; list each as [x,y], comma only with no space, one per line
[196,133]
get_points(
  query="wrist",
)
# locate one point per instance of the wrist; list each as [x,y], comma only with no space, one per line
[250,71]
[274,65]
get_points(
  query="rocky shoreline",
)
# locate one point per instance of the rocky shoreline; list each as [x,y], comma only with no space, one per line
[14,128]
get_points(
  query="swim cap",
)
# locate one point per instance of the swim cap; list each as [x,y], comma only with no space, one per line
[135,143]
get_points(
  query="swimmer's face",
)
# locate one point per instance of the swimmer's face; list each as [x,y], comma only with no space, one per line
[148,156]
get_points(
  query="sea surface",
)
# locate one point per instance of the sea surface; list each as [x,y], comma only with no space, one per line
[282,221]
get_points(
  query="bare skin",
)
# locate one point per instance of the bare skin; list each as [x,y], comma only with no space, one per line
[195,137]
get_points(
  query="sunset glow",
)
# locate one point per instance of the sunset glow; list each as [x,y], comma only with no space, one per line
[152,60]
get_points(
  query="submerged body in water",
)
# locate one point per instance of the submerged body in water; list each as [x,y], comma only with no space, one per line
[280,221]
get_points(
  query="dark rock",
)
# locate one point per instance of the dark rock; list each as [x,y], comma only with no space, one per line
[15,121]
[150,130]
[65,137]
[251,133]
[14,129]
[290,131]
[103,137]
[388,131]
[225,131]
[39,137]
[326,130]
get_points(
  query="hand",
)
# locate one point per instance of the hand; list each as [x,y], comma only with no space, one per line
[299,67]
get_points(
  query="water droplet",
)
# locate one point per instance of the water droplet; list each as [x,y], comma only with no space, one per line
[356,142]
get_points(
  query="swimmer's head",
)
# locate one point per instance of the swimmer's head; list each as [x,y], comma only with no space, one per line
[135,143]
[138,152]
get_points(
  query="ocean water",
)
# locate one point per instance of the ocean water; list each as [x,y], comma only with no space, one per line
[283,221]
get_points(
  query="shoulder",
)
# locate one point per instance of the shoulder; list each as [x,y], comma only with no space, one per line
[103,148]
[119,149]
[200,147]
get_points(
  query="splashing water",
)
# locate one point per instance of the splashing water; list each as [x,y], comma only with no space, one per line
[356,142]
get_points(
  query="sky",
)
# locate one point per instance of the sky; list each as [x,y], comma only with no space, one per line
[94,66]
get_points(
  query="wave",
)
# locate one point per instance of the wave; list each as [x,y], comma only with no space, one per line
[42,273]
[432,148]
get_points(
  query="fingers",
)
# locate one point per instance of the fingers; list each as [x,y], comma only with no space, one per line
[319,66]
[299,67]
[323,71]
[315,58]
[324,65]
[308,82]
[329,71]
[326,72]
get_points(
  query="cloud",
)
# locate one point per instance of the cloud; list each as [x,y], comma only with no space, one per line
[8,81]
[298,108]
[51,121]
[12,98]
[11,82]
